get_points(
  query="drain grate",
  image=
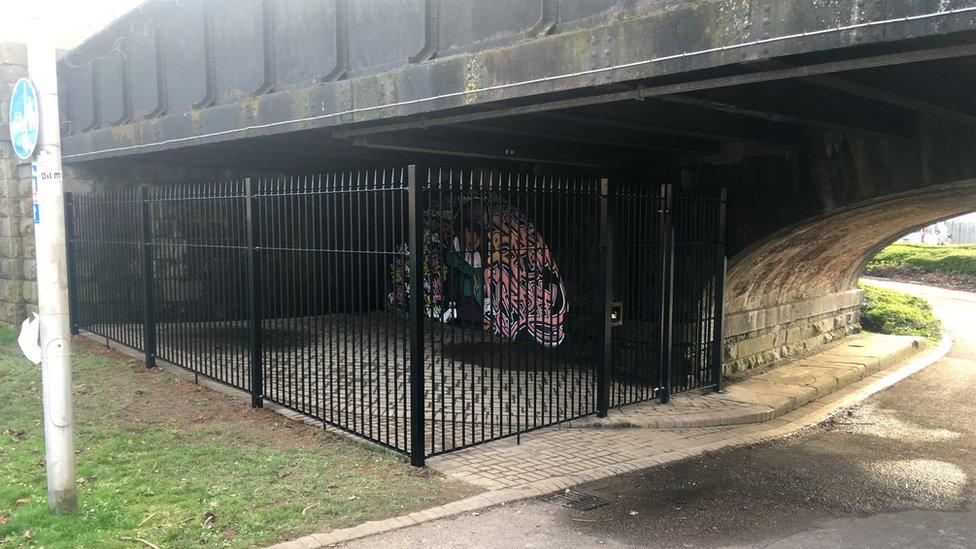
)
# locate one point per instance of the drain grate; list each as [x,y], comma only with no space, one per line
[576,500]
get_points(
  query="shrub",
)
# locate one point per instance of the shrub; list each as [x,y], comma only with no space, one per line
[893,312]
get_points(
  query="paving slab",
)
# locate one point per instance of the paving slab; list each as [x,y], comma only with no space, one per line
[771,393]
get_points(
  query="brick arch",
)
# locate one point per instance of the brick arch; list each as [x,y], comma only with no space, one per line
[828,253]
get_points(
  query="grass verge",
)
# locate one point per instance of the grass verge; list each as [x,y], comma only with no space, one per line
[163,460]
[949,259]
[892,312]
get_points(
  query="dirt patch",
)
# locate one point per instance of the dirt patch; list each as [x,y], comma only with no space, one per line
[963,283]
[150,396]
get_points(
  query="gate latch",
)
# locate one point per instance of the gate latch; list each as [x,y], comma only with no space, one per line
[617,313]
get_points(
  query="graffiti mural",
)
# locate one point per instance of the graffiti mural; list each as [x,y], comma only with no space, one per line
[486,265]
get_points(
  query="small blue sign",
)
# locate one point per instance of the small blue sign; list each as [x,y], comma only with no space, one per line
[23,119]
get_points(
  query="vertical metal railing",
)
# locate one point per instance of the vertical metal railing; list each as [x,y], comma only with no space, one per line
[199,269]
[962,231]
[667,294]
[668,340]
[698,287]
[69,238]
[149,308]
[721,264]
[424,309]
[636,292]
[106,285]
[417,178]
[254,328]
[512,336]
[605,293]
[335,338]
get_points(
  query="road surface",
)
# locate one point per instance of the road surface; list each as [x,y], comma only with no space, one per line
[895,471]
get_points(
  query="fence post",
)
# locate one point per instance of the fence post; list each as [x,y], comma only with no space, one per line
[415,203]
[718,345]
[149,316]
[255,336]
[69,239]
[667,291]
[606,295]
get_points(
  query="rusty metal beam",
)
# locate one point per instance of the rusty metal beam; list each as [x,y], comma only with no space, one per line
[892,98]
[875,93]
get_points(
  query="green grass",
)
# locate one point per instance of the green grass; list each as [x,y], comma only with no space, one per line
[892,312]
[949,259]
[158,456]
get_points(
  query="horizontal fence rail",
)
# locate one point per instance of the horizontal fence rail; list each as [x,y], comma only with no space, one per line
[424,309]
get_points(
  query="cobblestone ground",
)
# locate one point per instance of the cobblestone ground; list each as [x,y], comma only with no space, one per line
[353,371]
[684,405]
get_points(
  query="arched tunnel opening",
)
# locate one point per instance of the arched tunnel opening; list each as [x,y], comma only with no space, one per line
[816,264]
[828,254]
[907,280]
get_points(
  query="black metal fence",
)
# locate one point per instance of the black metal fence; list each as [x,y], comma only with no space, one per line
[196,237]
[107,265]
[508,261]
[637,273]
[424,309]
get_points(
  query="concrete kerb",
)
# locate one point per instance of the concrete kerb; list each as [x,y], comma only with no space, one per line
[874,383]
[787,424]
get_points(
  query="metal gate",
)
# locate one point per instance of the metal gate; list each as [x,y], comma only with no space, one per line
[513,328]
[425,309]
[668,281]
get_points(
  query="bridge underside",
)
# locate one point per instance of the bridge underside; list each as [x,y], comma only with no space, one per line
[827,156]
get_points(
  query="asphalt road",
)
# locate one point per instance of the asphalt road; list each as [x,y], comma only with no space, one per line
[895,471]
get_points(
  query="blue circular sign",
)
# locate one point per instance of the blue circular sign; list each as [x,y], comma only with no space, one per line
[23,119]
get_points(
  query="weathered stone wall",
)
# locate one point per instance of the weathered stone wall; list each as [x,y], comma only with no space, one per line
[803,225]
[761,337]
[18,275]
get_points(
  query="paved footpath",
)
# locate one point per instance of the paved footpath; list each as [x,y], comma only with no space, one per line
[766,407]
[553,458]
[893,470]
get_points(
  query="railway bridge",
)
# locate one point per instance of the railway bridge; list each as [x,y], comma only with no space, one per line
[834,126]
